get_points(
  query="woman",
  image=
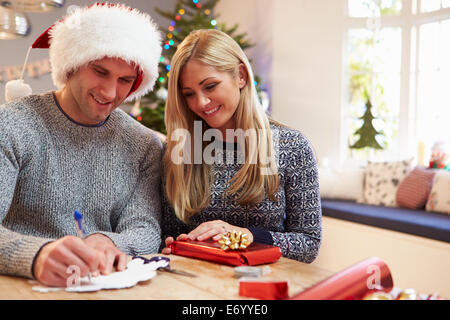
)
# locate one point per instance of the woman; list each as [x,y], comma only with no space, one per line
[263,183]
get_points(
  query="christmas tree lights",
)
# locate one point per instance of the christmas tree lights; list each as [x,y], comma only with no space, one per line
[188,15]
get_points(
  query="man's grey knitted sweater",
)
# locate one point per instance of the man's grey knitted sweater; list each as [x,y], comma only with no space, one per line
[51,166]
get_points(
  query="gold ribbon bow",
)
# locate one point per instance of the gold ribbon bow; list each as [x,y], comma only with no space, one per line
[234,240]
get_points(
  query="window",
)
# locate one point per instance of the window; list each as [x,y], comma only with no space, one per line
[431,74]
[430,5]
[396,55]
[371,8]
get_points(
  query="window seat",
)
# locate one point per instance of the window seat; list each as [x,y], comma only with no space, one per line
[422,223]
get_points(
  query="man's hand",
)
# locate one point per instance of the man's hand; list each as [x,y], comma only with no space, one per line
[110,254]
[96,254]
[53,261]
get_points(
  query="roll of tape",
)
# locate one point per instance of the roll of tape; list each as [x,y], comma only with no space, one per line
[247,272]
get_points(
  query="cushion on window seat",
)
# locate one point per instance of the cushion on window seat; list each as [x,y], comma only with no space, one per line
[422,223]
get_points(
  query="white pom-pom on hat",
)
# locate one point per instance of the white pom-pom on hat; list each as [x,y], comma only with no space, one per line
[16,89]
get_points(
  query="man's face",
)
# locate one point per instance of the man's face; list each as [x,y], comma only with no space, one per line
[96,89]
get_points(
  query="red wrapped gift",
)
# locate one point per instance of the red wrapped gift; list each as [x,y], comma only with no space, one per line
[254,254]
[264,290]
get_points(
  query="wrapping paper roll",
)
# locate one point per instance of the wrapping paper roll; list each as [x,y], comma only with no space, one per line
[352,283]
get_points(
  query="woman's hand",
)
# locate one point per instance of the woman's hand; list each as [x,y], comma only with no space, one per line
[169,241]
[211,229]
[214,229]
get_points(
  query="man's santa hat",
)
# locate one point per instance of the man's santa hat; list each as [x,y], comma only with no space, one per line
[92,33]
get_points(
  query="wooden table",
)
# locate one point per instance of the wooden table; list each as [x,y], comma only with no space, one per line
[214,282]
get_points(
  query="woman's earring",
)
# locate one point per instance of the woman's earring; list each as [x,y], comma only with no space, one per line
[242,83]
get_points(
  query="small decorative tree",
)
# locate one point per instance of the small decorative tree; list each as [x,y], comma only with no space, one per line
[367,132]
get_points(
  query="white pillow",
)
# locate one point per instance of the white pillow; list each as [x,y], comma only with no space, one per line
[439,198]
[342,183]
[381,181]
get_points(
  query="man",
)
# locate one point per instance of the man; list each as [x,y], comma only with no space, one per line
[74,150]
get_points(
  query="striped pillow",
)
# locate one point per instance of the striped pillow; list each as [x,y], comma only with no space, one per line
[413,191]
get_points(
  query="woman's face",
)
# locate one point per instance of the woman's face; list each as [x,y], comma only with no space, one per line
[211,94]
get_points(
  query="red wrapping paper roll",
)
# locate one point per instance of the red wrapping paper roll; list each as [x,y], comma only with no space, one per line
[352,283]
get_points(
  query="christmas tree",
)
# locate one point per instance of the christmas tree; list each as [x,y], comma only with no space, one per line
[188,15]
[367,132]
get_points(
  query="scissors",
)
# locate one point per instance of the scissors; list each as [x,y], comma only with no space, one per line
[167,268]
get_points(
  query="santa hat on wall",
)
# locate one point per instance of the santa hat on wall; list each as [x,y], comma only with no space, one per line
[91,33]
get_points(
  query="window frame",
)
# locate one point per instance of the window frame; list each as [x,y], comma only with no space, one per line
[406,21]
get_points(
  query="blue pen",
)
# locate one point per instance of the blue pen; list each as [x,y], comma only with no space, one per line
[78,223]
[80,231]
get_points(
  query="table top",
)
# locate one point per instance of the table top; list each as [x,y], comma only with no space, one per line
[213,282]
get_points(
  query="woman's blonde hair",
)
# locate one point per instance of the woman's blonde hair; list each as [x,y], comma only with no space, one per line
[188,184]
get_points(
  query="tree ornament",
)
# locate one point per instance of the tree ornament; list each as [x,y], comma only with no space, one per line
[367,132]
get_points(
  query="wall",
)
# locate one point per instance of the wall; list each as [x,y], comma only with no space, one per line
[255,18]
[302,39]
[12,52]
